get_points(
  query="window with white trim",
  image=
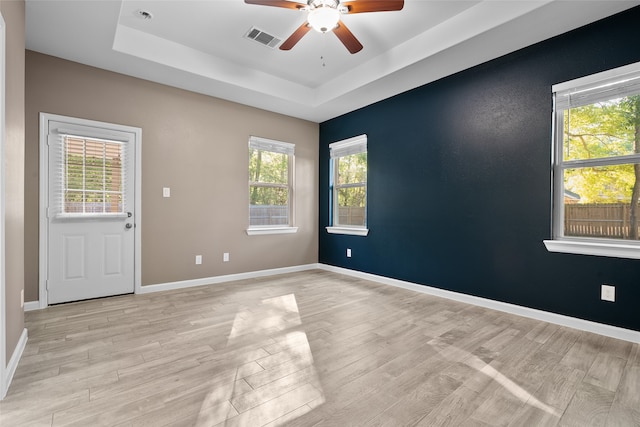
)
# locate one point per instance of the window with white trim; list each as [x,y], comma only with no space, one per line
[348,185]
[270,186]
[596,166]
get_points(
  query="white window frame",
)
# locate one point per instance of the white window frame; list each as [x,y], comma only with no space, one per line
[264,144]
[586,90]
[355,145]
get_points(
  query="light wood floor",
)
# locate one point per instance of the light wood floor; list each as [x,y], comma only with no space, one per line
[313,348]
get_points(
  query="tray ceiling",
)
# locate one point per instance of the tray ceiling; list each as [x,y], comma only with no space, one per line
[200,45]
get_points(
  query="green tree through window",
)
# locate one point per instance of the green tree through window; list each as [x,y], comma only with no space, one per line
[601,139]
[349,183]
[352,189]
[270,182]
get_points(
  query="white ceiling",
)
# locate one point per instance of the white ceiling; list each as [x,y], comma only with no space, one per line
[199,45]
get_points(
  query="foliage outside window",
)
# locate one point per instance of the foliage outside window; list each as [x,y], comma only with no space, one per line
[92,177]
[270,183]
[349,185]
[597,159]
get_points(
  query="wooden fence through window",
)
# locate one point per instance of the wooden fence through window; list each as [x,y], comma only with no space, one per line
[351,215]
[598,220]
[268,215]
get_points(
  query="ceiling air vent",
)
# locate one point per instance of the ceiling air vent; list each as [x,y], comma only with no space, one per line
[262,37]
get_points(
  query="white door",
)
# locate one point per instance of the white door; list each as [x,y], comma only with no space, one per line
[90,214]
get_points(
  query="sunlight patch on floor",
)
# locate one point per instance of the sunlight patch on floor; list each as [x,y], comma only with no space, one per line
[260,398]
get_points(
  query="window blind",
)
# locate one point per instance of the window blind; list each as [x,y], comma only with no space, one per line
[258,143]
[347,147]
[612,84]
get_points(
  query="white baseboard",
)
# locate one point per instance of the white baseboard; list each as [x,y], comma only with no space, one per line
[13,363]
[226,278]
[35,305]
[32,305]
[532,313]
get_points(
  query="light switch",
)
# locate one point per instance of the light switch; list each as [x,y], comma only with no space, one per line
[166,192]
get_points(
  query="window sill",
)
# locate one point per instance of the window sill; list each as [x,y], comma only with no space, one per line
[353,231]
[589,247]
[257,231]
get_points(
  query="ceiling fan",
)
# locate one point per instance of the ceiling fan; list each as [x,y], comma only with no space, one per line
[324,16]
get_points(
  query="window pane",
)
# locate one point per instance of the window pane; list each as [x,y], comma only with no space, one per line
[113,177]
[352,169]
[73,201]
[94,203]
[113,203]
[74,164]
[598,202]
[93,168]
[94,165]
[269,206]
[351,206]
[268,167]
[601,130]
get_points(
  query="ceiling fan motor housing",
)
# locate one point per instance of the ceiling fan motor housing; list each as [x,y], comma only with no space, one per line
[324,15]
[323,19]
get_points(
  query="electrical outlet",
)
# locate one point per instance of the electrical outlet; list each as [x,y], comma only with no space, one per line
[198,259]
[166,192]
[608,293]
[225,257]
[348,253]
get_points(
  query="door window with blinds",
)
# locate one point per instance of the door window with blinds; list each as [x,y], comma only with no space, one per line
[597,160]
[92,176]
[270,185]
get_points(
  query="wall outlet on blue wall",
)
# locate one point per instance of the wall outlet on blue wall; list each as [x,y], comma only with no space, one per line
[348,253]
[608,293]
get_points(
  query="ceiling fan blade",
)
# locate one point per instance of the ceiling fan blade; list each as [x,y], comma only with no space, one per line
[362,6]
[295,37]
[347,38]
[277,3]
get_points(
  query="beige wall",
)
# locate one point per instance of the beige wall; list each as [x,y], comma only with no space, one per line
[197,146]
[13,14]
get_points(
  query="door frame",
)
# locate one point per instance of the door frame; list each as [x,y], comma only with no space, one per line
[4,381]
[44,198]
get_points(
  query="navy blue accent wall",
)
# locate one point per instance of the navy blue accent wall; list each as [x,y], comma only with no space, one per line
[459,182]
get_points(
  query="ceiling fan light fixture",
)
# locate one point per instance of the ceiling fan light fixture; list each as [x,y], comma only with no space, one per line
[323,18]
